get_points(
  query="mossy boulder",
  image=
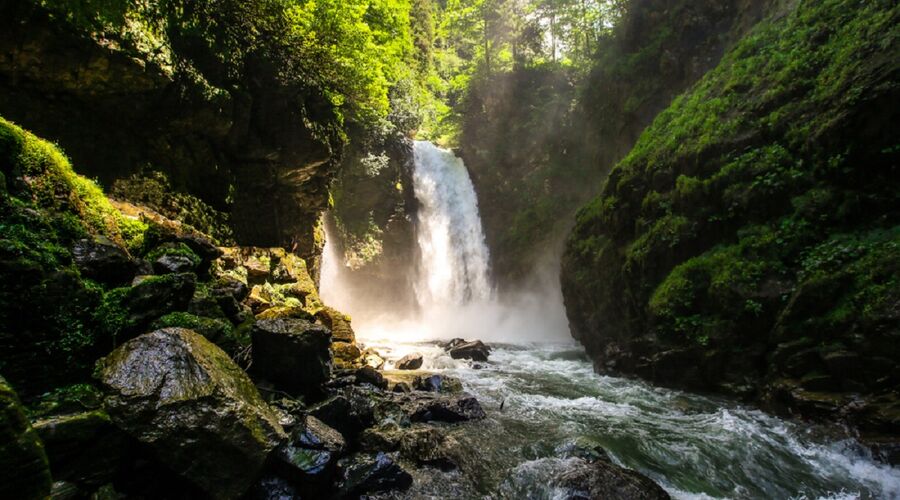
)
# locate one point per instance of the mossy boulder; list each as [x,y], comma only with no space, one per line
[22,455]
[61,243]
[199,412]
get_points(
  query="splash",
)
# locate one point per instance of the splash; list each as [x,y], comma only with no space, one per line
[453,287]
[454,258]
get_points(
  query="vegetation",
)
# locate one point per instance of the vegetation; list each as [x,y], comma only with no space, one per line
[758,211]
[46,307]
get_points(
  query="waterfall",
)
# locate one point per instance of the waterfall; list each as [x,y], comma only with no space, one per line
[454,265]
[451,278]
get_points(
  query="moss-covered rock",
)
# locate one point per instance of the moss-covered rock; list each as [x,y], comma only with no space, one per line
[51,221]
[181,395]
[22,455]
[751,233]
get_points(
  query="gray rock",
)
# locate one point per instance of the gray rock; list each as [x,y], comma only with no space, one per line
[311,455]
[475,350]
[366,474]
[350,412]
[199,412]
[433,408]
[173,263]
[604,479]
[438,383]
[410,362]
[369,375]
[102,260]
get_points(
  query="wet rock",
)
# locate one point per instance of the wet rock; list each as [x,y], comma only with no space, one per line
[438,383]
[371,358]
[257,300]
[199,412]
[84,448]
[476,351]
[338,323]
[280,312]
[173,263]
[157,296]
[450,343]
[603,479]
[401,387]
[312,453]
[231,287]
[102,260]
[273,488]
[345,352]
[350,412]
[369,375]
[293,354]
[432,408]
[366,474]
[22,458]
[410,362]
[429,446]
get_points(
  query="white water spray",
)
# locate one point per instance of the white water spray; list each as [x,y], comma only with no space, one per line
[454,258]
[453,288]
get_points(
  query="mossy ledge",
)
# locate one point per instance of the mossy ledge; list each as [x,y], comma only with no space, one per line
[748,243]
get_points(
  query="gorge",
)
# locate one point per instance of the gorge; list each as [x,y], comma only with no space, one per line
[567,249]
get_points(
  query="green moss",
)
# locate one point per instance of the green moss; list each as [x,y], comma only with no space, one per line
[212,328]
[67,399]
[174,249]
[760,205]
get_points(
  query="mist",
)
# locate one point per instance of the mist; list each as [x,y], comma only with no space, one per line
[451,276]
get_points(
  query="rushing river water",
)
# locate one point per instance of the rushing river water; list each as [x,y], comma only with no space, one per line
[694,446]
[543,399]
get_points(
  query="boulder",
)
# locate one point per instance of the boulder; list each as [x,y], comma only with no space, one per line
[475,350]
[285,312]
[198,411]
[84,448]
[26,471]
[173,263]
[338,323]
[345,352]
[604,479]
[293,354]
[410,362]
[369,375]
[447,345]
[429,446]
[312,454]
[157,296]
[364,474]
[401,388]
[273,488]
[438,383]
[102,260]
[350,412]
[372,358]
[433,408]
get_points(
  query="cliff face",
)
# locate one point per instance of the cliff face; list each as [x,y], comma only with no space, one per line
[234,135]
[748,243]
[539,141]
[372,222]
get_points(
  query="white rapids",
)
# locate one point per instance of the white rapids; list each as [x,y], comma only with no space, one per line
[542,398]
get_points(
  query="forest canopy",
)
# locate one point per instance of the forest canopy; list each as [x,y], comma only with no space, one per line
[384,63]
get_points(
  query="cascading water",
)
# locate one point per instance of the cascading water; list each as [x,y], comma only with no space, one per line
[543,398]
[454,258]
